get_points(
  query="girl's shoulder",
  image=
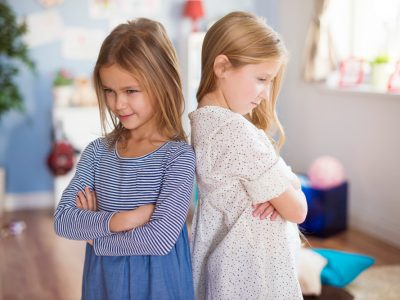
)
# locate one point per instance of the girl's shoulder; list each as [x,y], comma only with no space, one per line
[179,150]
[176,148]
[208,121]
[211,115]
[97,148]
[99,144]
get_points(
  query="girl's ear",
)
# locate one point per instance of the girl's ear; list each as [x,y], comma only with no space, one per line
[221,65]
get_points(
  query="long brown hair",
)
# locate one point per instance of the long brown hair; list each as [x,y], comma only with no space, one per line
[143,48]
[245,39]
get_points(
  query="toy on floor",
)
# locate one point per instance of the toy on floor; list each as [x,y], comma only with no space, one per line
[326,172]
[12,228]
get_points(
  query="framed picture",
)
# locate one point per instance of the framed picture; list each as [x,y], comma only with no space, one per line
[394,80]
[351,72]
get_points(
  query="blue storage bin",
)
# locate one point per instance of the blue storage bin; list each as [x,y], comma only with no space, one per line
[327,209]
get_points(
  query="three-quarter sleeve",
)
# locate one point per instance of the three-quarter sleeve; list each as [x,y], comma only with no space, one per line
[72,222]
[242,151]
[159,235]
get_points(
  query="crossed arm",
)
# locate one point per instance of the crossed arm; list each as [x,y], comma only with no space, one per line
[121,233]
[278,206]
[128,220]
[120,221]
[250,156]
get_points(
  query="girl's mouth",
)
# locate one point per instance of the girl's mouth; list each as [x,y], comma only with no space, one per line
[124,117]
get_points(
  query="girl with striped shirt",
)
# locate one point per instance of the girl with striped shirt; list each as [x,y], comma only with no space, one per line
[131,192]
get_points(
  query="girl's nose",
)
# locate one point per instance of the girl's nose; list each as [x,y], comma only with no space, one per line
[120,102]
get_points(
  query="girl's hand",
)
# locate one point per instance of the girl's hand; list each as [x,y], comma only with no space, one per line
[86,200]
[128,220]
[263,210]
[143,214]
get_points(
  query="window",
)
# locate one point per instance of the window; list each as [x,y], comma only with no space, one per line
[365,28]
[367,31]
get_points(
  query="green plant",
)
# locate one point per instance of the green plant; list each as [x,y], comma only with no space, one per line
[12,49]
[380,59]
[63,78]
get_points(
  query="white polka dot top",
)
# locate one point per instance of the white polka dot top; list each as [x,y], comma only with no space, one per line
[235,255]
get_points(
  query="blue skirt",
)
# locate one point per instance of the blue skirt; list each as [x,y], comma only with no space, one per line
[139,277]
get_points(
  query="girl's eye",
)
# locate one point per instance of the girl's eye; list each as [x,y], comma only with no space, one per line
[131,91]
[266,80]
[107,91]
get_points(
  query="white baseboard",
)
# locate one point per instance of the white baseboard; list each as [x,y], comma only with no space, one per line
[385,229]
[39,200]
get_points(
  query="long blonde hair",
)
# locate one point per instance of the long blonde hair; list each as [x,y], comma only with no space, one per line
[143,48]
[245,39]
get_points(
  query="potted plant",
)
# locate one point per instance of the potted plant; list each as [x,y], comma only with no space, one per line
[380,72]
[63,88]
[12,49]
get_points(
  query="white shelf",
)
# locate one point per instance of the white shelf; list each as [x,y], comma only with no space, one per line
[81,125]
[360,89]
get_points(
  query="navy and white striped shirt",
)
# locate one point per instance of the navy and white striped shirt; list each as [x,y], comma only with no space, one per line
[164,177]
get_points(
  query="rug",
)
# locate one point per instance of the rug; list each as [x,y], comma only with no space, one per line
[377,283]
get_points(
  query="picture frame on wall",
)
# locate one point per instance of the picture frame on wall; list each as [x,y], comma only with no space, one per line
[351,72]
[394,79]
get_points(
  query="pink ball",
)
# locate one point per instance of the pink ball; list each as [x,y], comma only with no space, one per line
[326,172]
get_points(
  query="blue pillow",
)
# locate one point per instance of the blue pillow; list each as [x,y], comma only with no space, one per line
[342,267]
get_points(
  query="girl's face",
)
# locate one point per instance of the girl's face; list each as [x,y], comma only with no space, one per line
[245,87]
[126,98]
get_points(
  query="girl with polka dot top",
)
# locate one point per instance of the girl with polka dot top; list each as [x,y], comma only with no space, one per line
[245,235]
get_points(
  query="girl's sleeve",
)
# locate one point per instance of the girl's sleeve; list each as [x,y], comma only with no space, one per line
[159,235]
[241,151]
[72,222]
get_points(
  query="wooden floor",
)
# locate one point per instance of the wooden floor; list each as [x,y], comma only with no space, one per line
[356,241]
[38,265]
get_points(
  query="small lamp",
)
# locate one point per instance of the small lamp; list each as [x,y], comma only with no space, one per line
[194,10]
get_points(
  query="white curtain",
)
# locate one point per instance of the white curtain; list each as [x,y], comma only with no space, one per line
[320,57]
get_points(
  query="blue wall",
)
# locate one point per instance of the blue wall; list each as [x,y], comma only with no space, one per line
[25,138]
